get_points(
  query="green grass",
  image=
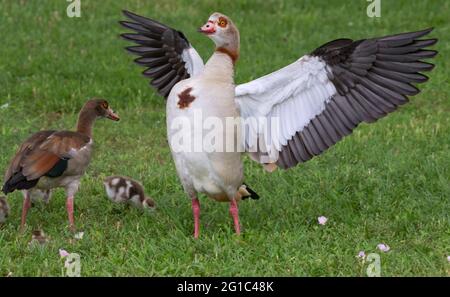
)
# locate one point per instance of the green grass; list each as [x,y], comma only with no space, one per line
[388,182]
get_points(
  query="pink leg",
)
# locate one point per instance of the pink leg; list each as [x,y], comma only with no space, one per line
[69,205]
[25,207]
[234,211]
[196,212]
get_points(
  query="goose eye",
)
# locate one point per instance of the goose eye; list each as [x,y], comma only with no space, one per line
[222,22]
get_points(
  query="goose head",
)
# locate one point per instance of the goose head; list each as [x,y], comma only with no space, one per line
[101,108]
[223,32]
[92,110]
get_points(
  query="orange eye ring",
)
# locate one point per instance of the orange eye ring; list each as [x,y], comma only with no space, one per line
[222,22]
[105,105]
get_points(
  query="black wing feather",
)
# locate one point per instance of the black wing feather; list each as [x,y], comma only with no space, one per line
[160,49]
[372,78]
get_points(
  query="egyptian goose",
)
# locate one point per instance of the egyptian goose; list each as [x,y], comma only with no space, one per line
[4,209]
[122,189]
[52,159]
[286,117]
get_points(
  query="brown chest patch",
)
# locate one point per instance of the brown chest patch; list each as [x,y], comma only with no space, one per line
[185,98]
[232,54]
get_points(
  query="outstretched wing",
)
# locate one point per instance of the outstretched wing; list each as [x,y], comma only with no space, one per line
[311,104]
[165,52]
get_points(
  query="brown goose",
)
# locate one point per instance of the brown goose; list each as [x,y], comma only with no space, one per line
[284,118]
[56,159]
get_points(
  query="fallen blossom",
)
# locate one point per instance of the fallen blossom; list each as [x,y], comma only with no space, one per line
[79,235]
[4,106]
[63,253]
[361,255]
[322,220]
[448,258]
[383,247]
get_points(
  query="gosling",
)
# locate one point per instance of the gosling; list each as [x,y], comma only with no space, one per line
[122,189]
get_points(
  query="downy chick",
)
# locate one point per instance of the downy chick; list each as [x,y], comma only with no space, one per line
[122,189]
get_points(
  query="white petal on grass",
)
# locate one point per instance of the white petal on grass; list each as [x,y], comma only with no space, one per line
[63,253]
[322,220]
[361,255]
[383,247]
[79,235]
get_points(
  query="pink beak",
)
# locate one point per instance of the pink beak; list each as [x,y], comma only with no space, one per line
[112,116]
[208,28]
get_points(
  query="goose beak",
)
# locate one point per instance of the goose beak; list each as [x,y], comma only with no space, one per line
[208,28]
[111,115]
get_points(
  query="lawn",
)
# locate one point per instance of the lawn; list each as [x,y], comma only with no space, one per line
[386,183]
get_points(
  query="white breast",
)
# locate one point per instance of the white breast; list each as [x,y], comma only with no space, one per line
[200,169]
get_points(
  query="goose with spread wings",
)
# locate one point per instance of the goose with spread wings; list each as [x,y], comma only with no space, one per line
[307,106]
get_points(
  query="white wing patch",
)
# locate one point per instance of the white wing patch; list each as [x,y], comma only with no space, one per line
[287,99]
[194,63]
[73,152]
